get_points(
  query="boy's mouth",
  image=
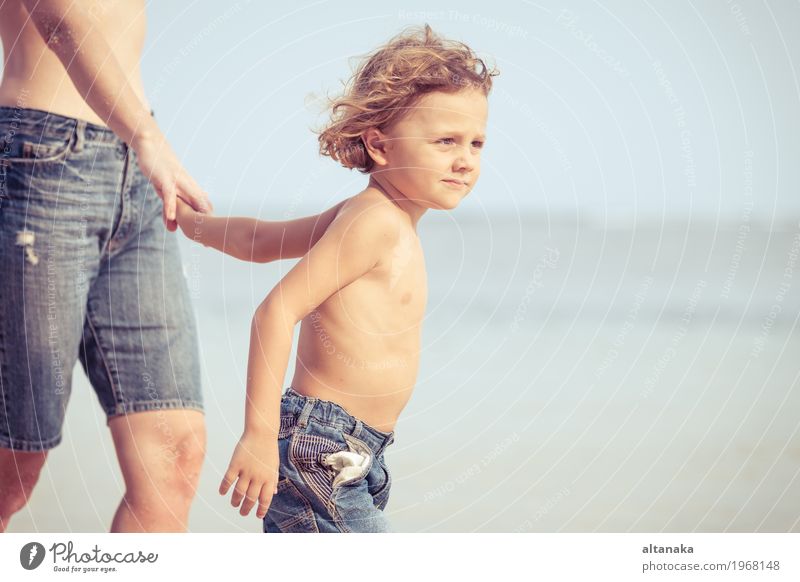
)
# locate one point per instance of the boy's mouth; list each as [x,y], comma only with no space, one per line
[459,183]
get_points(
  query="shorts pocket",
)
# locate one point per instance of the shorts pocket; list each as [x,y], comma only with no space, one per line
[34,186]
[290,511]
[28,150]
[327,463]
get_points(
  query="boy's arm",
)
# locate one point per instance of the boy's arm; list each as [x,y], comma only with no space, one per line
[258,241]
[351,247]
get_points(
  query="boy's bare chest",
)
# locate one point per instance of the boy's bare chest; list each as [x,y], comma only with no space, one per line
[403,276]
[395,293]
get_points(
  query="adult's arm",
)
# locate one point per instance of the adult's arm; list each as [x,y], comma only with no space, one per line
[70,33]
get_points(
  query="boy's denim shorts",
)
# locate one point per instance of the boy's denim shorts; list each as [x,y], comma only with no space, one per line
[89,273]
[333,477]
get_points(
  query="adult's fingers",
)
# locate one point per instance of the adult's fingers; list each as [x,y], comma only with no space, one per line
[201,204]
[170,205]
[168,194]
[194,195]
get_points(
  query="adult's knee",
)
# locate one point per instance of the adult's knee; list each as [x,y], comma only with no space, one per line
[19,473]
[161,454]
[184,462]
[191,454]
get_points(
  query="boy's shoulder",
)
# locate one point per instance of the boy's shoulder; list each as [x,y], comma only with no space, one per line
[370,213]
[364,232]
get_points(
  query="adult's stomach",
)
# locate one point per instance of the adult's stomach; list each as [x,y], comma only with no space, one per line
[33,76]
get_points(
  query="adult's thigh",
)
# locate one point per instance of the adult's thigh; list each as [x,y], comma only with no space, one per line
[140,347]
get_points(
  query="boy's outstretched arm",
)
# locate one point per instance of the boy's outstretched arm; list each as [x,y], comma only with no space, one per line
[351,246]
[258,241]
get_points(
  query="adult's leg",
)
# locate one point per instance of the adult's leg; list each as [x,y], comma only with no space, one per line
[141,354]
[19,472]
[161,454]
[47,258]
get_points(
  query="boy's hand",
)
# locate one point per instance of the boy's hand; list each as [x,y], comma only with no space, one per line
[254,469]
[186,217]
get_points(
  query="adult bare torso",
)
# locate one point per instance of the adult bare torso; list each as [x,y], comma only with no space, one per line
[33,76]
[360,348]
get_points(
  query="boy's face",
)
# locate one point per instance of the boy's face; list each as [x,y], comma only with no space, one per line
[433,154]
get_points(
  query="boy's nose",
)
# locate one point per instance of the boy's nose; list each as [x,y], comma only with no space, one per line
[464,164]
[466,160]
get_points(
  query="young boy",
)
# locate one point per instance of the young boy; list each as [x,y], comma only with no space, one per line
[413,118]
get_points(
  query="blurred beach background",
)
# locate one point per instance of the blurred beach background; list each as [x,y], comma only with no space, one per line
[611,339]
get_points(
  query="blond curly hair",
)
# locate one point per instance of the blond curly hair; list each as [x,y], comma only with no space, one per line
[389,82]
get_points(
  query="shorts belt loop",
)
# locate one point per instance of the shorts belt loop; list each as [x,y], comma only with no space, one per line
[80,135]
[386,442]
[309,406]
[359,427]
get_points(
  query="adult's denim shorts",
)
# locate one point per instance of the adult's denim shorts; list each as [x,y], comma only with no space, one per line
[333,475]
[89,272]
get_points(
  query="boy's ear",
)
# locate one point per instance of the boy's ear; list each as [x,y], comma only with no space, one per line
[375,141]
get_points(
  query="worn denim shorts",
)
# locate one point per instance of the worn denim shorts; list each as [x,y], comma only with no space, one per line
[89,272]
[333,476]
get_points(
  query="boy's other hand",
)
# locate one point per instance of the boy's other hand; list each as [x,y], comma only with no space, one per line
[161,166]
[253,471]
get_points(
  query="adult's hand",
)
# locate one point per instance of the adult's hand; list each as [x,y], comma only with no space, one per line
[170,179]
[68,28]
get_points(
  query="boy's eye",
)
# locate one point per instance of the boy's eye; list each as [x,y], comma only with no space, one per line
[449,140]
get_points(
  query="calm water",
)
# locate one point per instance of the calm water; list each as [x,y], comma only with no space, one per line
[573,378]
